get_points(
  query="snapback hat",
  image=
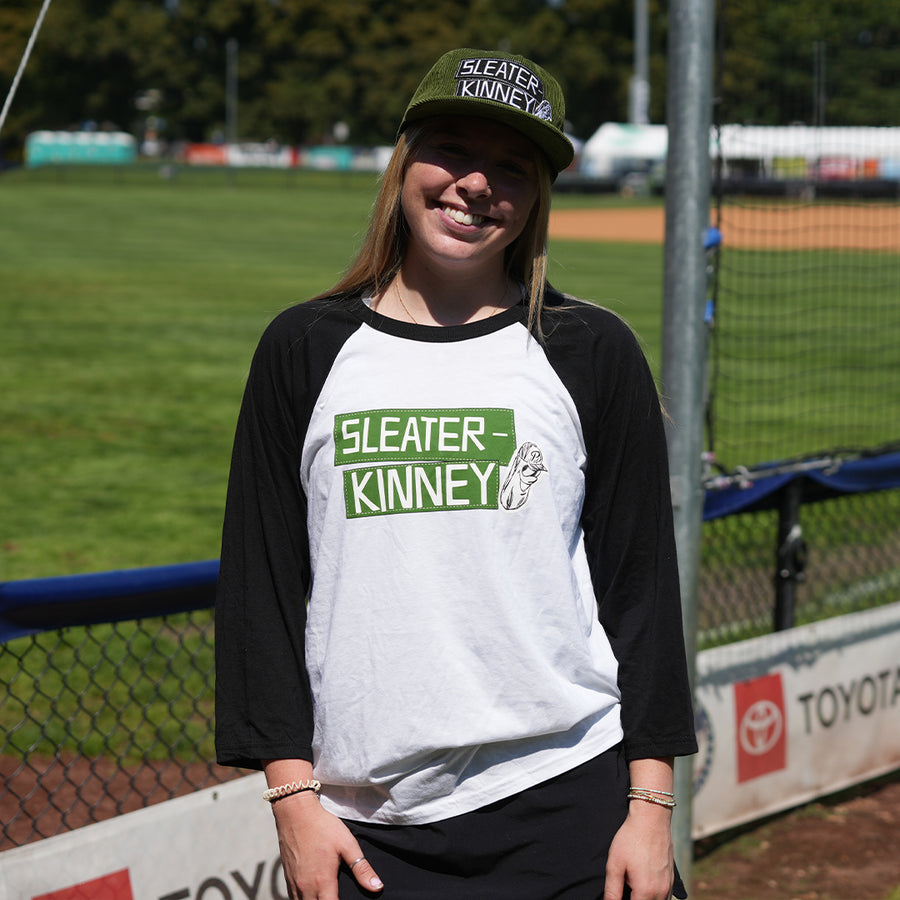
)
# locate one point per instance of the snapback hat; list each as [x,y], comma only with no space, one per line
[500,86]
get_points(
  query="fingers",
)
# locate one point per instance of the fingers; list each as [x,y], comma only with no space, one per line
[364,874]
[614,886]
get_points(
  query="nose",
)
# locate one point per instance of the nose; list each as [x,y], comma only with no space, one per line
[474,182]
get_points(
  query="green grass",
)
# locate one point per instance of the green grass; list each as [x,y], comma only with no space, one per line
[130,308]
[131,690]
[809,350]
[131,304]
[128,317]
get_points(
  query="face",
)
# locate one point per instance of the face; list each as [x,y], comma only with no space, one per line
[468,192]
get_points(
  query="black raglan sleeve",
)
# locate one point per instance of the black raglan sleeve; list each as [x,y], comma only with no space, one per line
[628,529]
[263,701]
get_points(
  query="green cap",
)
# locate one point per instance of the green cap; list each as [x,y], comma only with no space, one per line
[499,86]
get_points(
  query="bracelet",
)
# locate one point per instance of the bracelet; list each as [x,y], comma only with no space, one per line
[294,787]
[653,791]
[660,798]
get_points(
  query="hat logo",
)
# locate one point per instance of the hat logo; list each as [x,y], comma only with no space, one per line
[544,111]
[503,81]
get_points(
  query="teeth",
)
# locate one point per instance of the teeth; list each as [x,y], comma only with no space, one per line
[463,218]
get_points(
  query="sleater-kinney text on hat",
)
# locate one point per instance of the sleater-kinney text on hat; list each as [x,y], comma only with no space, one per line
[503,81]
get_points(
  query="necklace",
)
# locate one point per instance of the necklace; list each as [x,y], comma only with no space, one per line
[400,298]
[416,322]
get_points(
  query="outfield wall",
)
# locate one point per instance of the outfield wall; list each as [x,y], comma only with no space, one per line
[782,719]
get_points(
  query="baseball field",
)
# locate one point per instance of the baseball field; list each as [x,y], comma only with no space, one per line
[131,303]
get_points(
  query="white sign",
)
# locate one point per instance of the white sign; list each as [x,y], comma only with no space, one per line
[216,844]
[792,716]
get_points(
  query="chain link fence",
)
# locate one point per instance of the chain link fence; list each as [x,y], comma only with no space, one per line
[846,558]
[100,720]
[103,719]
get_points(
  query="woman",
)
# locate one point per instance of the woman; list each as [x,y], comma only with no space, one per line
[448,624]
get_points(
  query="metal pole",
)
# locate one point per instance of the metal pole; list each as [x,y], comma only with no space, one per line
[23,62]
[639,99]
[231,90]
[688,101]
[790,558]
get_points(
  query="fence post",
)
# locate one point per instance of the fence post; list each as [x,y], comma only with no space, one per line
[689,99]
[790,555]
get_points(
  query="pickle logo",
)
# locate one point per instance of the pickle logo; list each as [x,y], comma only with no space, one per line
[425,460]
[527,467]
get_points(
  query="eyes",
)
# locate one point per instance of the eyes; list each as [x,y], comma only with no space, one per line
[453,154]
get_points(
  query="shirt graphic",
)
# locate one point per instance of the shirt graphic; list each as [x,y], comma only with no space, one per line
[527,467]
[425,460]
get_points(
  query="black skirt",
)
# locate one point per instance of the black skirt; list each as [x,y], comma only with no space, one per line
[548,842]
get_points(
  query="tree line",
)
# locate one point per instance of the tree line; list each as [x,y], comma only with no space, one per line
[303,66]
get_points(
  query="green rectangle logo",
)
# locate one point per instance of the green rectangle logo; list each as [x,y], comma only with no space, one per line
[421,487]
[408,435]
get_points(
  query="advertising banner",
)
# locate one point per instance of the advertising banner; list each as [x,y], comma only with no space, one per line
[792,716]
[215,844]
[43,148]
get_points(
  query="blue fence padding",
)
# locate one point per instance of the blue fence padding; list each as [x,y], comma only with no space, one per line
[41,604]
[878,473]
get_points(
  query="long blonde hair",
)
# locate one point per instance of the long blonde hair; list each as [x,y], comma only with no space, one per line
[384,246]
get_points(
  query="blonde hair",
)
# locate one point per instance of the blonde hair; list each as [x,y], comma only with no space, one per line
[384,246]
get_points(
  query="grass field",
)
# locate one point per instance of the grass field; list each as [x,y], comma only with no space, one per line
[130,308]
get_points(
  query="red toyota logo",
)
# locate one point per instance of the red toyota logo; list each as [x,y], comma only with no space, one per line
[115,886]
[761,727]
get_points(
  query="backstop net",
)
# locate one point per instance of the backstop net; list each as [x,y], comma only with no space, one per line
[806,336]
[804,320]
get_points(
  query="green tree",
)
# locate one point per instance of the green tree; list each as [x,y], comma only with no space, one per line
[776,53]
[304,65]
[87,63]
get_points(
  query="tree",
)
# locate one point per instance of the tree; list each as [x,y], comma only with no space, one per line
[775,53]
[305,65]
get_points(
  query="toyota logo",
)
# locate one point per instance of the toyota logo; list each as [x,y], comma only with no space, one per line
[761,727]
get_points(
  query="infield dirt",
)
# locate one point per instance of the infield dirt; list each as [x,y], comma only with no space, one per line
[767,227]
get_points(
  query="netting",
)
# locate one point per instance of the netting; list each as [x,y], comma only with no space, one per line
[804,321]
[806,339]
[104,719]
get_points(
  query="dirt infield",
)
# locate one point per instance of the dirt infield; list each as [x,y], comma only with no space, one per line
[840,848]
[772,227]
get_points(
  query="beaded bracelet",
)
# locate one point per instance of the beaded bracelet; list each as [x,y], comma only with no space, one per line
[660,798]
[293,787]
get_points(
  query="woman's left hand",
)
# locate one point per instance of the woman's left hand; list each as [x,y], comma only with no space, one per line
[641,855]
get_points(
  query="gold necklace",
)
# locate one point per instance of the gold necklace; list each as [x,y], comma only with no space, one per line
[397,292]
[416,322]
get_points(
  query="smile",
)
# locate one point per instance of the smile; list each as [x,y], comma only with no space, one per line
[463,218]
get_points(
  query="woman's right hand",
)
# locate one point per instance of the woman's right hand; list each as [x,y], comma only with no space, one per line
[313,844]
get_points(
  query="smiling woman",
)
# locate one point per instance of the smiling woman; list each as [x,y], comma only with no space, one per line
[462,472]
[467,194]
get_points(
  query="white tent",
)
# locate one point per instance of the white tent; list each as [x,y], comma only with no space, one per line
[616,149]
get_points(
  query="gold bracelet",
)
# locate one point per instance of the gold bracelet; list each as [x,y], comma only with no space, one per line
[293,787]
[649,796]
[653,791]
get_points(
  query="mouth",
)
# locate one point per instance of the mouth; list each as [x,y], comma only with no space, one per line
[461,217]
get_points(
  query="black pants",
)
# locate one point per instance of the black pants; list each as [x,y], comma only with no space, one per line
[549,842]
